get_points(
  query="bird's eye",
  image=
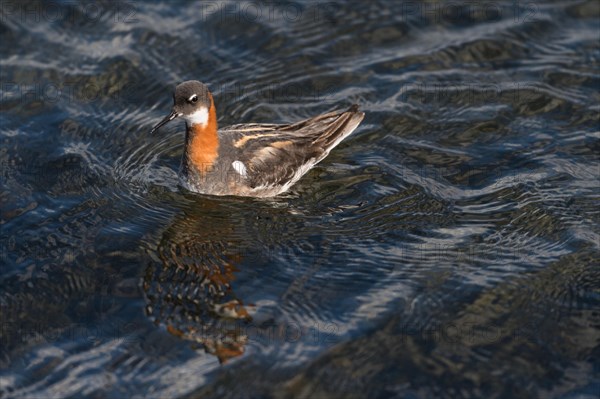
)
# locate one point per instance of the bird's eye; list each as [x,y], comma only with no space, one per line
[194,98]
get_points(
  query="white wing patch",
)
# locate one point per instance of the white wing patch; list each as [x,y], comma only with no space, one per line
[240,168]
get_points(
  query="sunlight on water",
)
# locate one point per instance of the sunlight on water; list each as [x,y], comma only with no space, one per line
[447,248]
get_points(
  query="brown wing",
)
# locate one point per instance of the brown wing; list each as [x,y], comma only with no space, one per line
[276,155]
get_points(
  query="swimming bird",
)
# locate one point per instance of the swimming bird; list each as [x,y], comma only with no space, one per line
[254,159]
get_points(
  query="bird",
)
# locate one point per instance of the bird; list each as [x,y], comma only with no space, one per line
[252,159]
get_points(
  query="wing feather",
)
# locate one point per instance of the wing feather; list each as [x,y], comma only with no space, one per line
[278,155]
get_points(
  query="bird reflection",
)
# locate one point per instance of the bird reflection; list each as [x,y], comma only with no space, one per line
[188,285]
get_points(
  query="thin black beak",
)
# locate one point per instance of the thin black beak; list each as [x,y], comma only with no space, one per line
[166,120]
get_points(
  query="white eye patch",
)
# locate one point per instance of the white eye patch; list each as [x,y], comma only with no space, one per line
[199,117]
[192,97]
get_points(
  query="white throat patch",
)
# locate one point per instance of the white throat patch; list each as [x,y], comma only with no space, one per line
[200,117]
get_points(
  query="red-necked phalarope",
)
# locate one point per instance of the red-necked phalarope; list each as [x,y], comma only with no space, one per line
[254,159]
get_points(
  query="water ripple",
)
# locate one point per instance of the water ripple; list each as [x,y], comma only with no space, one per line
[447,248]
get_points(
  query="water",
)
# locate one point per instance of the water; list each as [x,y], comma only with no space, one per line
[448,248]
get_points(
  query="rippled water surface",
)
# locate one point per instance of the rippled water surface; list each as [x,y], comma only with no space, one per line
[448,248]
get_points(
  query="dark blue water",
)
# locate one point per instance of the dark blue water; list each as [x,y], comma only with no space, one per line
[448,248]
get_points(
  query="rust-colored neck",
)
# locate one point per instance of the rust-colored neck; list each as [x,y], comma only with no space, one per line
[202,143]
